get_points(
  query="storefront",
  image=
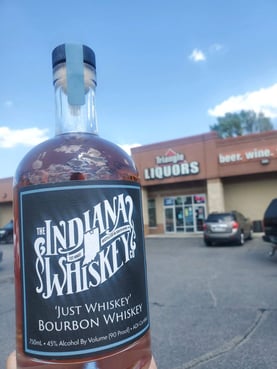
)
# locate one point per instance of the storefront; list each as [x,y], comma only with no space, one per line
[184,213]
[6,200]
[185,179]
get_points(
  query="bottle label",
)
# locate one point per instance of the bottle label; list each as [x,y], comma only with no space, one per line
[83,267]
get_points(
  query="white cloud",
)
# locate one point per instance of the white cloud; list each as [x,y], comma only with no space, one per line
[8,104]
[197,55]
[263,100]
[127,147]
[28,137]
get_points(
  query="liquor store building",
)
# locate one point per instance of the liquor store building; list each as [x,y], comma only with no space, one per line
[185,179]
[6,200]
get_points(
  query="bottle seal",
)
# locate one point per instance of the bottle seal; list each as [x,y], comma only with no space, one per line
[59,55]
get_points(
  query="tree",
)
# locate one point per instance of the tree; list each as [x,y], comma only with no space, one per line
[238,124]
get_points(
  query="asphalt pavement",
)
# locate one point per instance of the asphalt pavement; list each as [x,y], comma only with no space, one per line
[7,314]
[210,307]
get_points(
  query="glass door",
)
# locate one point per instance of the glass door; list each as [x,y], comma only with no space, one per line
[169,220]
[179,218]
[188,212]
[199,211]
[184,213]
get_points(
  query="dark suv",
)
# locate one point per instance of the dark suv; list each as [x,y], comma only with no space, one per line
[227,227]
[6,233]
[270,225]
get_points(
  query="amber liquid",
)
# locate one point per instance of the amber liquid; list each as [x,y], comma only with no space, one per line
[70,157]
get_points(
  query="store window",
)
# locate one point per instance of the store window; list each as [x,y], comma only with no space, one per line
[152,213]
[185,213]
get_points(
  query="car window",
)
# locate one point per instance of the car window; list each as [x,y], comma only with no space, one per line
[220,218]
[9,225]
[271,211]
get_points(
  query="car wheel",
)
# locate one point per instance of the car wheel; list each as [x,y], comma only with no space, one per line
[207,243]
[241,239]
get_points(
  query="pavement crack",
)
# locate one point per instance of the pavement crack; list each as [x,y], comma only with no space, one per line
[212,294]
[157,304]
[7,279]
[7,311]
[227,346]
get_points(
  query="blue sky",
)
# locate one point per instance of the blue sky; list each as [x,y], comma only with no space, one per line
[165,68]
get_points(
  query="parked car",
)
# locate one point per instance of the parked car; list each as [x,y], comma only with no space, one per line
[6,233]
[227,227]
[270,225]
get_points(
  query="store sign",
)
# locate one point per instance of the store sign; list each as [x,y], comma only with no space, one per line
[171,164]
[264,153]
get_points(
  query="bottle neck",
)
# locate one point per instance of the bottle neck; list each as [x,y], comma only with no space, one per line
[75,100]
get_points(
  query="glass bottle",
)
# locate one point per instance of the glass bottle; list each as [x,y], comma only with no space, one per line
[80,278]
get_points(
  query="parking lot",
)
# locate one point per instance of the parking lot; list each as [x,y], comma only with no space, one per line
[211,307]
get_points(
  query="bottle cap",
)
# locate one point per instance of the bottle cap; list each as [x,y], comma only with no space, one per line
[74,56]
[59,55]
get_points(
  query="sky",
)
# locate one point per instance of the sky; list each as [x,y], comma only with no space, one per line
[166,69]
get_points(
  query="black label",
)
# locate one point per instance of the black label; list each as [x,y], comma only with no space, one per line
[83,267]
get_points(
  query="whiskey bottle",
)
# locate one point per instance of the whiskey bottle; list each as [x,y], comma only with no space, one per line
[80,275]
